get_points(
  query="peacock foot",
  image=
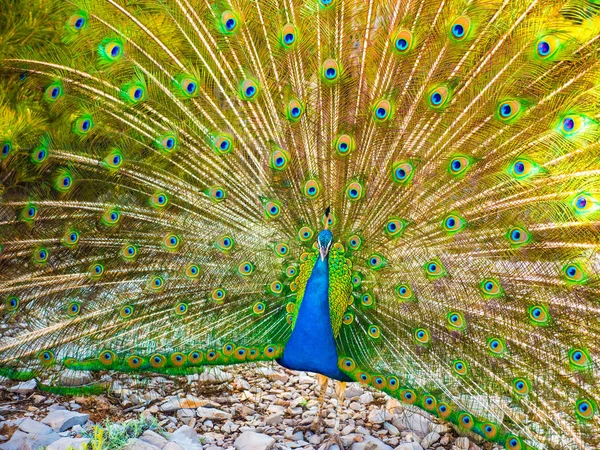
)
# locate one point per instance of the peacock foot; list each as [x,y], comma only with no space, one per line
[332,441]
[316,426]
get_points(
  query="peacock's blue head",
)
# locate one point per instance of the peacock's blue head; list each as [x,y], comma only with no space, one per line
[324,241]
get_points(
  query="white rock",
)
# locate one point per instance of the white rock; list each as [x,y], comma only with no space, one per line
[215,375]
[172,446]
[462,443]
[347,430]
[353,391]
[24,388]
[230,427]
[212,413]
[430,439]
[379,416]
[391,429]
[136,444]
[75,377]
[151,437]
[366,398]
[250,440]
[186,437]
[370,443]
[33,427]
[186,415]
[414,421]
[409,446]
[63,420]
[306,379]
[439,428]
[274,420]
[21,440]
[68,443]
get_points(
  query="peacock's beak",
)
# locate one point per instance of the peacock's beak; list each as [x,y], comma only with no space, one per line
[323,252]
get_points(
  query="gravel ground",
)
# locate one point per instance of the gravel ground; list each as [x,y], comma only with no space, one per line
[244,408]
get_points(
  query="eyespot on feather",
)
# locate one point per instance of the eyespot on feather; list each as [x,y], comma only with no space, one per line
[508,110]
[294,110]
[439,97]
[460,28]
[167,143]
[402,172]
[403,41]
[355,191]
[382,111]
[305,233]
[229,22]
[289,36]
[344,144]
[222,144]
[330,71]
[546,47]
[279,159]
[249,89]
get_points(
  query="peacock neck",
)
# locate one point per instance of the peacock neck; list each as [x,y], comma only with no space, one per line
[311,346]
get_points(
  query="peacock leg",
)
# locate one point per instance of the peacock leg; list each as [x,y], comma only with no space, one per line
[317,424]
[334,439]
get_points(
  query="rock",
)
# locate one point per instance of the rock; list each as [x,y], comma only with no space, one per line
[462,443]
[172,446]
[409,446]
[305,379]
[24,441]
[314,439]
[439,428]
[230,427]
[366,398]
[445,439]
[370,443]
[414,422]
[379,416]
[394,406]
[274,420]
[212,413]
[186,437]
[33,427]
[347,430]
[186,415]
[136,444]
[391,429]
[430,439]
[250,440]
[75,377]
[63,420]
[353,391]
[153,438]
[24,388]
[297,436]
[176,402]
[215,375]
[69,443]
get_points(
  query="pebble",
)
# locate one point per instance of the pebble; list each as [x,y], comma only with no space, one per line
[25,387]
[251,440]
[68,443]
[430,439]
[462,443]
[62,420]
[370,443]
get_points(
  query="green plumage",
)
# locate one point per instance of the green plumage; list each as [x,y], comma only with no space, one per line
[165,165]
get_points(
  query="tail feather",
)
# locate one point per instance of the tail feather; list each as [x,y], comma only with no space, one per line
[165,167]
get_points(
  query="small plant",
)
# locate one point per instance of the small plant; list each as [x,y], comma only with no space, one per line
[114,436]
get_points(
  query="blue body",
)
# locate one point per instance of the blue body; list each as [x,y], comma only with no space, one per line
[311,346]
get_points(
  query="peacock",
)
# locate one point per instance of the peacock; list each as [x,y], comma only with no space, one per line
[400,193]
